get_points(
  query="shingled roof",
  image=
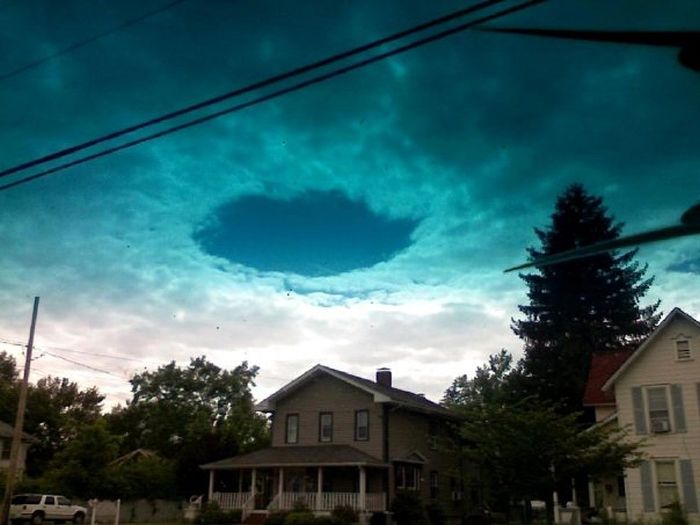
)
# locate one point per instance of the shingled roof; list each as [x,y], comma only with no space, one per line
[325,455]
[381,393]
[603,366]
[7,431]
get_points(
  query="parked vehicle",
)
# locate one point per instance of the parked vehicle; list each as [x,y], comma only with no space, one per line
[37,508]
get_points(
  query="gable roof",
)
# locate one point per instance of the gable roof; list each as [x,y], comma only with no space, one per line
[7,431]
[603,365]
[676,313]
[380,393]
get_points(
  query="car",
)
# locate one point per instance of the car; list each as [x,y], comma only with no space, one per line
[37,508]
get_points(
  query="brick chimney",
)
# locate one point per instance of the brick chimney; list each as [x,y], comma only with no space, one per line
[384,376]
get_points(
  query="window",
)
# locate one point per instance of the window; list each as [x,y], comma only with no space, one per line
[362,425]
[4,449]
[432,434]
[683,350]
[62,500]
[49,500]
[325,427]
[434,484]
[666,485]
[292,433]
[407,477]
[659,417]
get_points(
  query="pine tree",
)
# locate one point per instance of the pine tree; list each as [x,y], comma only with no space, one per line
[581,306]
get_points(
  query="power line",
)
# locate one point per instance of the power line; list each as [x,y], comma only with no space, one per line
[251,87]
[95,369]
[82,43]
[275,94]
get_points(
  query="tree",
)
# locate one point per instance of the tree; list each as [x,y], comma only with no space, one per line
[524,450]
[581,306]
[491,384]
[191,415]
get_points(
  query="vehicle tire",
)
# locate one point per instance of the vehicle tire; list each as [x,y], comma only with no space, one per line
[37,518]
[79,518]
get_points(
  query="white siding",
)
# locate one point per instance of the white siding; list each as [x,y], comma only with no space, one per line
[657,365]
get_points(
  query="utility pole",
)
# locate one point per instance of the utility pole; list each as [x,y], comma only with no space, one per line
[19,423]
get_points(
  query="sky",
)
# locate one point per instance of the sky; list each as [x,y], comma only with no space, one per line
[359,223]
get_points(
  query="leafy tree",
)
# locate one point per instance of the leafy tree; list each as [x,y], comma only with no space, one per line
[81,467]
[524,450]
[491,383]
[192,415]
[581,306]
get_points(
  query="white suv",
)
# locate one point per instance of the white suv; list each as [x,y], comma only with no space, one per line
[39,507]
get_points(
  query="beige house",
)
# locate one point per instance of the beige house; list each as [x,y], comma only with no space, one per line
[655,392]
[339,439]
[6,432]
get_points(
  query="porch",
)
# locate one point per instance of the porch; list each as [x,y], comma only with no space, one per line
[283,478]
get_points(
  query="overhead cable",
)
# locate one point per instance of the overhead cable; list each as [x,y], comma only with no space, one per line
[273,95]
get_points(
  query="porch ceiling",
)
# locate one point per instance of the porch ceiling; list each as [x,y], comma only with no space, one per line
[295,456]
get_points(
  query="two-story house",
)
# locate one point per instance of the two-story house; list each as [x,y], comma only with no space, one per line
[6,432]
[655,392]
[339,439]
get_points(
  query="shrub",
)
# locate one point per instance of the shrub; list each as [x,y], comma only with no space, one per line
[212,514]
[276,518]
[378,518]
[300,518]
[436,515]
[325,520]
[408,509]
[675,516]
[344,515]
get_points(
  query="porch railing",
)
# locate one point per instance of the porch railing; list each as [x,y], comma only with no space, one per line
[374,501]
[247,507]
[231,500]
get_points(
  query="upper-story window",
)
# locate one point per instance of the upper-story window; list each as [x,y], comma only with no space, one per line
[362,425]
[657,403]
[292,430]
[683,350]
[325,427]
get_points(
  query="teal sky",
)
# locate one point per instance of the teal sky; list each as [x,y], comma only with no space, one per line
[362,222]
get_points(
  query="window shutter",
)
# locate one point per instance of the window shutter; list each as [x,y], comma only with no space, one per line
[640,418]
[690,498]
[678,412]
[698,392]
[647,487]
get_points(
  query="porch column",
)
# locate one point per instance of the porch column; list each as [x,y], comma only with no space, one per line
[591,494]
[252,484]
[211,485]
[319,489]
[240,481]
[363,487]
[280,483]
[574,499]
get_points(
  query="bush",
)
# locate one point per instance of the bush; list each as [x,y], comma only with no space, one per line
[344,515]
[213,515]
[408,509]
[436,515]
[378,518]
[276,518]
[325,520]
[300,518]
[675,516]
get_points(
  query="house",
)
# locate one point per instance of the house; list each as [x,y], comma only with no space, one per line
[339,439]
[655,392]
[6,433]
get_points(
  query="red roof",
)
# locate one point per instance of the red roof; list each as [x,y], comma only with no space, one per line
[603,365]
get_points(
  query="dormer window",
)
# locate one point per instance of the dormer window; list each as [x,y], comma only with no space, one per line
[683,350]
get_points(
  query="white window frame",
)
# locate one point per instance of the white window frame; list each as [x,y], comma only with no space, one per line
[677,484]
[669,408]
[686,357]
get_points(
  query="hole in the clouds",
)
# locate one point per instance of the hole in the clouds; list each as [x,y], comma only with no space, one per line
[315,234]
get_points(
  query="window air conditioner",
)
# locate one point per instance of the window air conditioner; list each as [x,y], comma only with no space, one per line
[660,426]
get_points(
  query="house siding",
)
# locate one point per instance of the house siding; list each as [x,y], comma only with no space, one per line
[657,365]
[328,394]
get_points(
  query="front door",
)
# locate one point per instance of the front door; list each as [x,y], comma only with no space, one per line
[263,489]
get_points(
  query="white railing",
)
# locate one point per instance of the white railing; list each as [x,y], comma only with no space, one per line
[375,501]
[329,500]
[231,500]
[248,507]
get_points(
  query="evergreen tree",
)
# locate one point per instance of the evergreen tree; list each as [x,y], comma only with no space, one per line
[581,306]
